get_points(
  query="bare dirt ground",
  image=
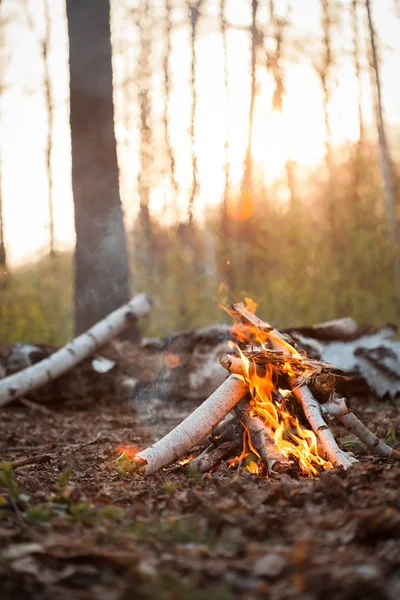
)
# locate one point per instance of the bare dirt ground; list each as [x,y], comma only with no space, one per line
[80,526]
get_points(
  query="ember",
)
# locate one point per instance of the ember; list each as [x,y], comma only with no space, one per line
[281,402]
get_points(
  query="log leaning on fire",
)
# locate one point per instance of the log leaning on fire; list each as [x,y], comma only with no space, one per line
[194,428]
[337,407]
[262,440]
[73,353]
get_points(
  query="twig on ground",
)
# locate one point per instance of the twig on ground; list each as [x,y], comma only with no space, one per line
[32,460]
[337,407]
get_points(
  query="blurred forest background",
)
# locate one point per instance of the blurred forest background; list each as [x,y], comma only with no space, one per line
[257,145]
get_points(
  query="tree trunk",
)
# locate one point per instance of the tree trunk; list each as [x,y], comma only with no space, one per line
[146,136]
[225,243]
[248,166]
[102,281]
[357,70]
[50,123]
[324,74]
[3,252]
[167,96]
[386,168]
[194,15]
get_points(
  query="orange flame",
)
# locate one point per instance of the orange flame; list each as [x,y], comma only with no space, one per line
[185,459]
[291,438]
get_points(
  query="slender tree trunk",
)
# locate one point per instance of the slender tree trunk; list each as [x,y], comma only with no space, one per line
[223,27]
[386,167]
[357,70]
[274,60]
[146,142]
[227,271]
[194,15]
[50,123]
[248,167]
[324,74]
[102,279]
[167,97]
[3,251]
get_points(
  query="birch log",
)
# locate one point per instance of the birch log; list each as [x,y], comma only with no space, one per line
[262,439]
[194,428]
[69,356]
[337,407]
[313,415]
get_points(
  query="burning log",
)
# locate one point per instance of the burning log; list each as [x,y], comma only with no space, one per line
[337,407]
[194,428]
[262,441]
[234,364]
[72,354]
[213,455]
[313,414]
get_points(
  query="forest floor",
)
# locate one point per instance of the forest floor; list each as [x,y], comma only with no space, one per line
[82,527]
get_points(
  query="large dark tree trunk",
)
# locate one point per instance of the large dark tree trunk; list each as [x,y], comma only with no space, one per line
[102,280]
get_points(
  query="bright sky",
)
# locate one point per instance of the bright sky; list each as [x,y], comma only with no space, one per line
[298,133]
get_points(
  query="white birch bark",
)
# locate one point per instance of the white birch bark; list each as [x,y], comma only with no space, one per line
[337,407]
[313,415]
[194,428]
[69,356]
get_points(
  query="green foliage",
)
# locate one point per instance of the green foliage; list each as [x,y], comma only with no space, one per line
[390,438]
[323,254]
[7,480]
[171,587]
[170,488]
[36,302]
[64,477]
[41,513]
[173,530]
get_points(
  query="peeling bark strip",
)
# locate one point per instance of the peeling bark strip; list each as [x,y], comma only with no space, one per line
[194,428]
[73,353]
[337,407]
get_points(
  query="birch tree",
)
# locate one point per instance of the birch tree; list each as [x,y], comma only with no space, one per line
[385,161]
[167,98]
[254,43]
[357,71]
[194,15]
[46,46]
[146,146]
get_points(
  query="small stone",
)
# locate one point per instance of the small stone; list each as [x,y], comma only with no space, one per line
[269,565]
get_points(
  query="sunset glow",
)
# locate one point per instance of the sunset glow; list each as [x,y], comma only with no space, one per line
[297,133]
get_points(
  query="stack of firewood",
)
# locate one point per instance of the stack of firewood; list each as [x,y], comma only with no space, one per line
[282,403]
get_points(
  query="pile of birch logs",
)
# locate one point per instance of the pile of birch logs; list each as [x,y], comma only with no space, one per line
[214,432]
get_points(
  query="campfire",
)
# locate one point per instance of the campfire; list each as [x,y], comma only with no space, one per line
[271,415]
